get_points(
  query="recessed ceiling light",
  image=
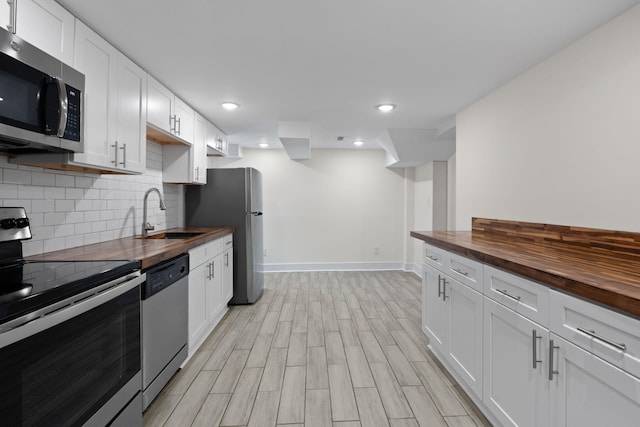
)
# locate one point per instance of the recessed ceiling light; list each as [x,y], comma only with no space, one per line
[263,145]
[385,108]
[358,143]
[229,105]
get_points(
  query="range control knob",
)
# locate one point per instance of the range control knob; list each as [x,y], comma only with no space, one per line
[22,222]
[8,223]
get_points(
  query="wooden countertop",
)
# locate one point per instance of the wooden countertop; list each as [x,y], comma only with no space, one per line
[599,265]
[148,251]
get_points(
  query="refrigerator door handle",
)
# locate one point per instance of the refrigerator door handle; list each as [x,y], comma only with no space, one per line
[256,213]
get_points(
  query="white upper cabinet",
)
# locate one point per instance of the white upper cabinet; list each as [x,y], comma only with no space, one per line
[169,114]
[184,164]
[132,115]
[98,60]
[216,141]
[183,120]
[43,23]
[114,106]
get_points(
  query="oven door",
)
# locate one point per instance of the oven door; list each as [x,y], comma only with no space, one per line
[67,365]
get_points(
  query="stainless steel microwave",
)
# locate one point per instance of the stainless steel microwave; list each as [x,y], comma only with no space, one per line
[41,100]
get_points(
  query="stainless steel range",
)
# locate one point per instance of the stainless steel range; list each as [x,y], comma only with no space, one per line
[69,337]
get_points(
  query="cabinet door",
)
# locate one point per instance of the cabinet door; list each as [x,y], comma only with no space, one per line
[160,105]
[183,121]
[132,116]
[587,391]
[513,390]
[465,332]
[98,60]
[227,276]
[214,287]
[434,309]
[47,25]
[198,278]
[199,151]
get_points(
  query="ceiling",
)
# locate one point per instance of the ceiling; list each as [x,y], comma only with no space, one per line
[327,63]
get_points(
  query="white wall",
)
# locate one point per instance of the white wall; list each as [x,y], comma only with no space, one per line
[423,209]
[330,211]
[68,209]
[560,143]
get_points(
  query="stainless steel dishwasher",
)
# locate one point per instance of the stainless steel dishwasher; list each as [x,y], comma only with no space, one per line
[164,324]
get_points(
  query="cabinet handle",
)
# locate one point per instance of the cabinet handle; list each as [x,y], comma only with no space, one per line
[551,370]
[534,341]
[172,127]
[13,15]
[507,294]
[432,258]
[178,125]
[209,268]
[124,155]
[440,279]
[593,334]
[197,173]
[464,273]
[226,259]
[115,161]
[213,270]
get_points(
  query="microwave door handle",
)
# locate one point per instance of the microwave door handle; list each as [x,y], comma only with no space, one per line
[64,106]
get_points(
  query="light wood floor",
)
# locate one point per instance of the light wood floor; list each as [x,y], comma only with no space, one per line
[340,349]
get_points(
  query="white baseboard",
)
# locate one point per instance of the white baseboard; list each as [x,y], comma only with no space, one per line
[414,268]
[335,266]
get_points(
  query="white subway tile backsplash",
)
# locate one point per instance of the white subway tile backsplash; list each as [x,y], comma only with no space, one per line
[68,209]
[54,193]
[53,244]
[15,176]
[30,192]
[65,205]
[82,228]
[92,216]
[65,181]
[8,191]
[42,206]
[64,230]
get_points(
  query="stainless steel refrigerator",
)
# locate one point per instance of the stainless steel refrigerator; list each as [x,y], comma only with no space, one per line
[233,197]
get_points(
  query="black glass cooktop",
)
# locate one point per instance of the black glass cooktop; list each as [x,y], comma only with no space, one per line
[30,285]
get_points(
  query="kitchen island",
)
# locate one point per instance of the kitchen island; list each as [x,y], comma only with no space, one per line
[537,322]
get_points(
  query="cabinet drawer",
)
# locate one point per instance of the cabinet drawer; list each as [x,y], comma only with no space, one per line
[200,254]
[435,257]
[227,241]
[464,270]
[519,294]
[611,336]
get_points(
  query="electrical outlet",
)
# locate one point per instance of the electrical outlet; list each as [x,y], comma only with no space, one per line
[376,251]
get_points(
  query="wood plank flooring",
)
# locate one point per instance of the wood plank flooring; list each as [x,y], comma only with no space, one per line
[335,349]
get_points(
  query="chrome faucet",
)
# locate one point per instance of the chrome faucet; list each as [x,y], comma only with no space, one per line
[146,226]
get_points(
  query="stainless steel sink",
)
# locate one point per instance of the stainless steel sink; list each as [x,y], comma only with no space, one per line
[174,235]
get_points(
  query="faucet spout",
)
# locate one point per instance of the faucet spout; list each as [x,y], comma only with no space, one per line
[146,226]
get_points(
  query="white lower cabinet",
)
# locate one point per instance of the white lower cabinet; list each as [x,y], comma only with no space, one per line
[227,275]
[452,319]
[207,303]
[587,391]
[531,356]
[516,383]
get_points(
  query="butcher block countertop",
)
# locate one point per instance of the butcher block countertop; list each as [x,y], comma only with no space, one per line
[602,266]
[148,251]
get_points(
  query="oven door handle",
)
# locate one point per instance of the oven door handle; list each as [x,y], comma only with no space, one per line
[50,316]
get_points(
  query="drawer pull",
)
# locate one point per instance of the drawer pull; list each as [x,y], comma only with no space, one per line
[440,280]
[507,294]
[592,334]
[534,338]
[464,273]
[432,258]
